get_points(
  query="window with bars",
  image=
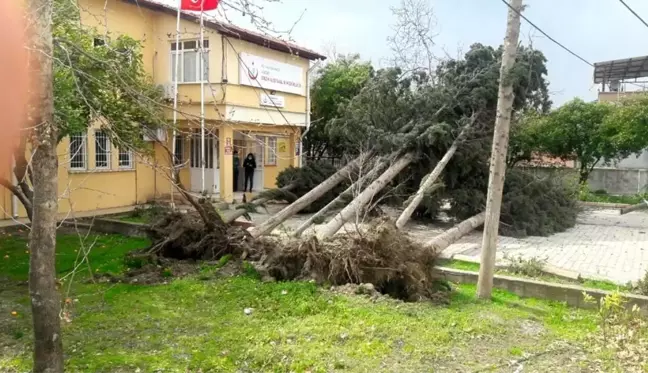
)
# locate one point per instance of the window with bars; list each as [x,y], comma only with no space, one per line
[102,150]
[271,159]
[178,151]
[78,151]
[196,151]
[188,56]
[125,158]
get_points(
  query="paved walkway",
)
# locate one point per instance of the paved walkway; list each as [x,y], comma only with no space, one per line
[602,245]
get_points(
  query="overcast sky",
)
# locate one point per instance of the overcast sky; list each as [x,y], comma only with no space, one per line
[598,30]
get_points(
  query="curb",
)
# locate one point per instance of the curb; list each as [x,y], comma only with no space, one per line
[113,226]
[547,268]
[572,295]
[604,204]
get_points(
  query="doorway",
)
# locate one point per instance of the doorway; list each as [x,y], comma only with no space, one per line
[246,143]
[212,172]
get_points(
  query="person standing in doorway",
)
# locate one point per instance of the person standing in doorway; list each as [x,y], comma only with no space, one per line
[237,164]
[249,165]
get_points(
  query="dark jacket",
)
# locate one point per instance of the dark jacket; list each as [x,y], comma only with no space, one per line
[249,164]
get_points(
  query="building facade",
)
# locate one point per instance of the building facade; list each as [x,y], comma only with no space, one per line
[255,99]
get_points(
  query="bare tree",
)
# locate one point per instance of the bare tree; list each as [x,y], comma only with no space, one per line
[45,300]
[413,40]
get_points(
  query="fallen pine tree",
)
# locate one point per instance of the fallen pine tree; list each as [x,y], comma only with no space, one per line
[346,195]
[308,198]
[422,120]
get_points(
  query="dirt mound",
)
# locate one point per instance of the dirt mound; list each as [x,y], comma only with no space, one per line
[382,256]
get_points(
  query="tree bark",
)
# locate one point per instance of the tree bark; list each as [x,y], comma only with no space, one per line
[306,199]
[45,300]
[447,238]
[256,202]
[498,154]
[429,181]
[364,197]
[338,200]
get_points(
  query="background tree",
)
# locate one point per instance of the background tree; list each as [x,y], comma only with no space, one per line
[627,124]
[335,84]
[589,133]
[45,299]
[412,43]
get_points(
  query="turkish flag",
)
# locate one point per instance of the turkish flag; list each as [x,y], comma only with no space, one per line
[198,5]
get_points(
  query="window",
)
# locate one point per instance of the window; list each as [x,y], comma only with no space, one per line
[78,151]
[98,42]
[102,150]
[179,150]
[125,158]
[272,151]
[189,61]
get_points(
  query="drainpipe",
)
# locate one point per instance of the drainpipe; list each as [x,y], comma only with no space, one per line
[308,114]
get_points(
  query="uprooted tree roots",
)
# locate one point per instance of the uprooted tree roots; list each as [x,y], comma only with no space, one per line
[380,255]
[185,236]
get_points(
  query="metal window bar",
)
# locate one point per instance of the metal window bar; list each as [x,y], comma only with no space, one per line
[272,151]
[125,158]
[78,151]
[102,150]
[179,150]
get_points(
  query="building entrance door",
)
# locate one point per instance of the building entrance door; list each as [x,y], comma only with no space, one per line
[212,172]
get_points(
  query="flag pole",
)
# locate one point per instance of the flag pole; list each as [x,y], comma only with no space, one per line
[202,97]
[175,104]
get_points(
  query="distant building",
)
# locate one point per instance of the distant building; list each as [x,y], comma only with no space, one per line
[619,79]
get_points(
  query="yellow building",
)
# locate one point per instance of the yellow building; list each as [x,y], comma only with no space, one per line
[255,98]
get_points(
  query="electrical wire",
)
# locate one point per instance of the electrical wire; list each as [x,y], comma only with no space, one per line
[547,35]
[633,12]
[560,44]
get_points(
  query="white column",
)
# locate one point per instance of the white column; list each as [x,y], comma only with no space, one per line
[202,102]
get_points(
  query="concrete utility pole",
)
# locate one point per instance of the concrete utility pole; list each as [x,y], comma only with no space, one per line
[498,153]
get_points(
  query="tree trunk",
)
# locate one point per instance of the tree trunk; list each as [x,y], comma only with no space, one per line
[427,183]
[639,206]
[256,202]
[338,200]
[364,197]
[45,300]
[447,238]
[306,199]
[498,153]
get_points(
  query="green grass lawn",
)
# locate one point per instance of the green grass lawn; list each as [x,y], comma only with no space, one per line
[610,198]
[135,219]
[194,325]
[106,253]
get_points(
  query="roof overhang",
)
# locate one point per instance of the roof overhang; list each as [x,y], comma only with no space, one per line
[619,70]
[234,31]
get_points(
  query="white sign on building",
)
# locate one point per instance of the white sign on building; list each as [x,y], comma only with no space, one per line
[272,100]
[270,75]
